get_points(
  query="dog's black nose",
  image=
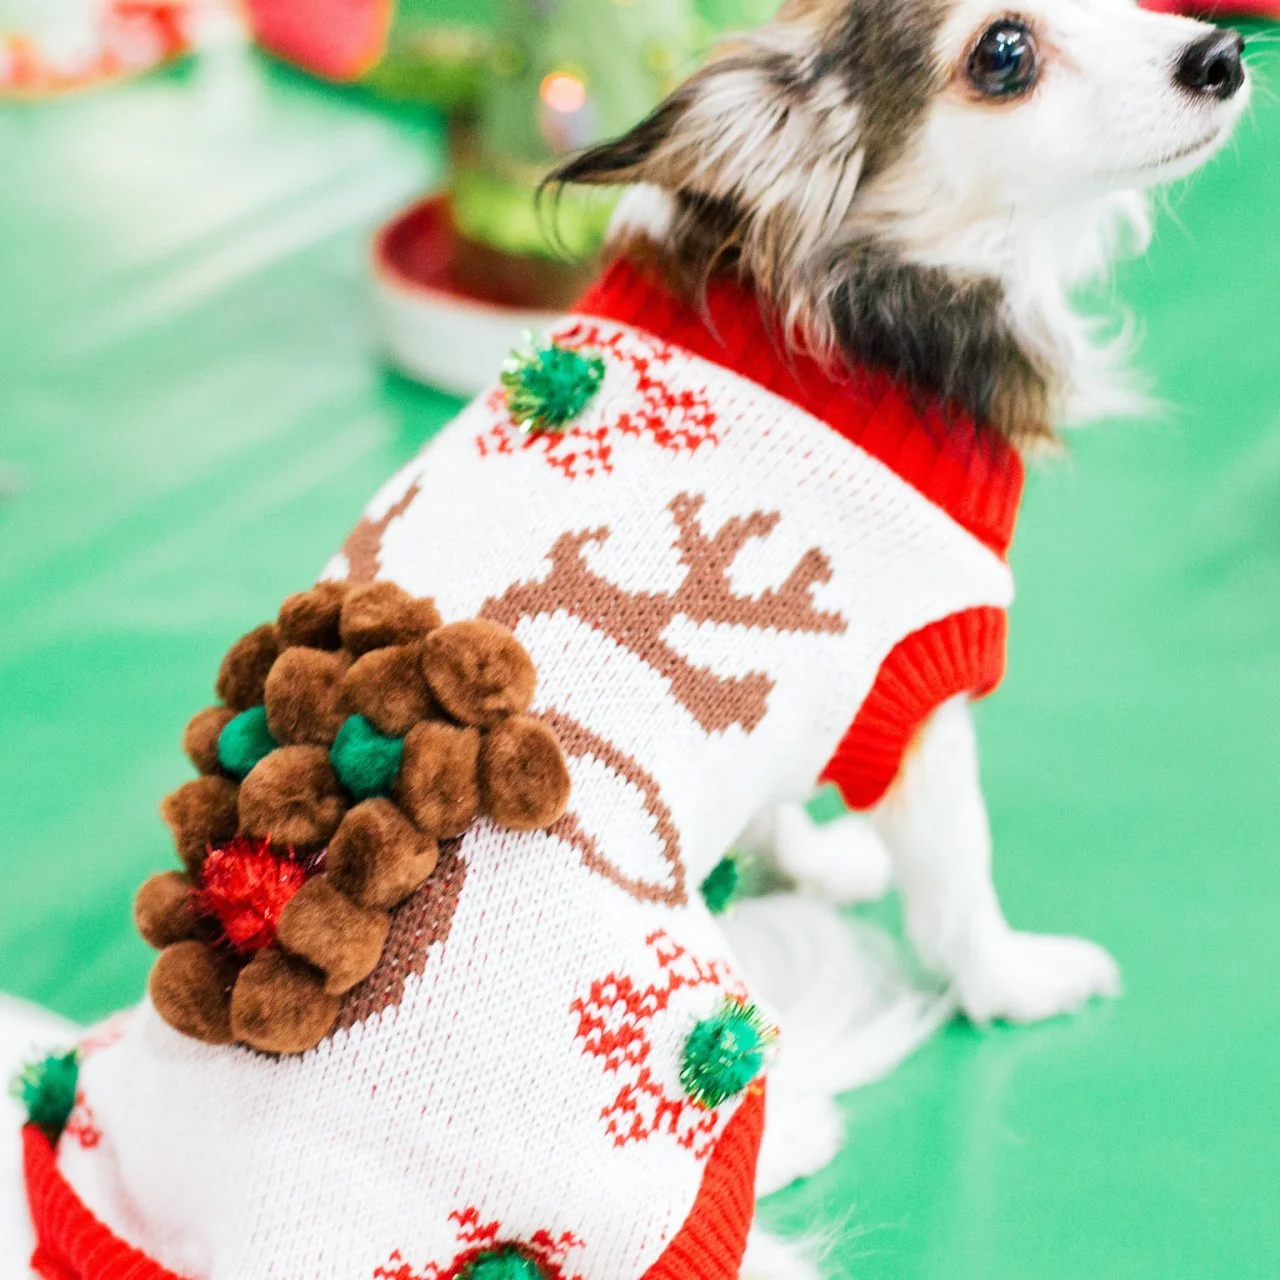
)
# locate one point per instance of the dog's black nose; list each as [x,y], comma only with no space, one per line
[1213,65]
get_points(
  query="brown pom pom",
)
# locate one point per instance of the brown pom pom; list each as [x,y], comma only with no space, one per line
[378,858]
[200,740]
[478,671]
[190,988]
[162,910]
[279,1005]
[312,618]
[380,613]
[438,785]
[200,813]
[387,687]
[292,797]
[523,774]
[243,673]
[303,694]
[329,931]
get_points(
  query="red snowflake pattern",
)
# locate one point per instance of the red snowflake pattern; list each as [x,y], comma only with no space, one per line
[105,1034]
[477,1238]
[81,1125]
[614,1025]
[681,421]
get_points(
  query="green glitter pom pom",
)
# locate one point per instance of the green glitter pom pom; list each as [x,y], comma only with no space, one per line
[365,761]
[719,888]
[244,741]
[47,1090]
[724,1054]
[507,1262]
[548,387]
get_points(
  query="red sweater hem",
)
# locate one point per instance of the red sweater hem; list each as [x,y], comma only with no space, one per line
[74,1245]
[71,1243]
[963,653]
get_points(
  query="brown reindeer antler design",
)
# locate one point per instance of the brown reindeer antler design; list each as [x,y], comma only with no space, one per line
[363,547]
[638,620]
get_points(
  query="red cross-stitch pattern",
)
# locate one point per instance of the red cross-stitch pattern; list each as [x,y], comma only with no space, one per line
[476,1238]
[104,1034]
[614,1025]
[81,1125]
[679,421]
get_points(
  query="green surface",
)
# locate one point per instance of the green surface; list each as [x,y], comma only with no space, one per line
[188,386]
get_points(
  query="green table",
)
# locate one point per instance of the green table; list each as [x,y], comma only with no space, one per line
[189,387]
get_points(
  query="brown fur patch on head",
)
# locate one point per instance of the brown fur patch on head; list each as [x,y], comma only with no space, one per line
[762,157]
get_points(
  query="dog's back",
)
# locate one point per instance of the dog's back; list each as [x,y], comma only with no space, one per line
[714,585]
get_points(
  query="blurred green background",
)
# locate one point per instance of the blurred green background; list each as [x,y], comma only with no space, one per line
[190,391]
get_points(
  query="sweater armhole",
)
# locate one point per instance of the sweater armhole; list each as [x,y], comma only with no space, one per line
[961,653]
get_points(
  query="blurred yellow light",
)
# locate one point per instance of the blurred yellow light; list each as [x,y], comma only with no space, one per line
[564,93]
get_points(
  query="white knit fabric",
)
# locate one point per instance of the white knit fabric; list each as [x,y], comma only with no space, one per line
[478,1098]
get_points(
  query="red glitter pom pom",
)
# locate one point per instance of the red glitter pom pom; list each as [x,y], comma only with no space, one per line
[245,886]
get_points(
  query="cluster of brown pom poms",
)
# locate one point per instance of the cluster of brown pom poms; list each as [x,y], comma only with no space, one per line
[355,733]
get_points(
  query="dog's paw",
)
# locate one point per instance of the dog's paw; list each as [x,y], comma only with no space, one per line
[1025,977]
[843,860]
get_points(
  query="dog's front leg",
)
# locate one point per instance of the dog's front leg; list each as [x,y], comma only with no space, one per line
[934,822]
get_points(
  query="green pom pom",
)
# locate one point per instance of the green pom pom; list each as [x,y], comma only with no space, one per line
[719,887]
[244,741]
[507,1262]
[724,1054]
[548,387]
[365,761]
[48,1091]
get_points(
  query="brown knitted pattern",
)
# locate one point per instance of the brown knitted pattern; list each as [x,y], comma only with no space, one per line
[417,925]
[356,740]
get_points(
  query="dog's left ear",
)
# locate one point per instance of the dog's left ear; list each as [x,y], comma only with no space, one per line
[762,134]
[676,140]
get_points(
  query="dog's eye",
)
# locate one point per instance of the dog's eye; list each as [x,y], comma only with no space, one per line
[1003,62]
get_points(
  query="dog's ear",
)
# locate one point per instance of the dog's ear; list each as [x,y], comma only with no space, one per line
[662,149]
[763,129]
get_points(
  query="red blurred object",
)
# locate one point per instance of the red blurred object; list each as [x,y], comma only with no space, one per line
[1226,9]
[335,39]
[121,38]
[245,886]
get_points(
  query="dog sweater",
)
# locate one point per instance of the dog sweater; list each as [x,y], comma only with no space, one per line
[735,574]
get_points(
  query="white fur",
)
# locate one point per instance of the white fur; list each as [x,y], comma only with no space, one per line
[1044,193]
[769,1258]
[843,860]
[849,1012]
[935,825]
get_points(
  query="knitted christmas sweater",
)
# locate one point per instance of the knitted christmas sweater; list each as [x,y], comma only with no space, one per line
[735,576]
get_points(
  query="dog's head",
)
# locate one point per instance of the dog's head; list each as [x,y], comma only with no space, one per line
[916,183]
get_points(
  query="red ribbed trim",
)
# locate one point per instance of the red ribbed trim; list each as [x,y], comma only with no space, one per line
[713,1239]
[963,653]
[71,1243]
[74,1245]
[971,474]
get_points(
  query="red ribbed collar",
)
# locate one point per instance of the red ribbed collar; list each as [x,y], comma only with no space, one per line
[970,473]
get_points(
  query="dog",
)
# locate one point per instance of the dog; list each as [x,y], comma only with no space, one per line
[747,517]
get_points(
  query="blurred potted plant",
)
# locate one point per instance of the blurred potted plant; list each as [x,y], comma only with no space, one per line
[462,274]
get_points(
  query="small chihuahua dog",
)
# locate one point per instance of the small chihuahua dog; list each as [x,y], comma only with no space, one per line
[747,514]
[917,186]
